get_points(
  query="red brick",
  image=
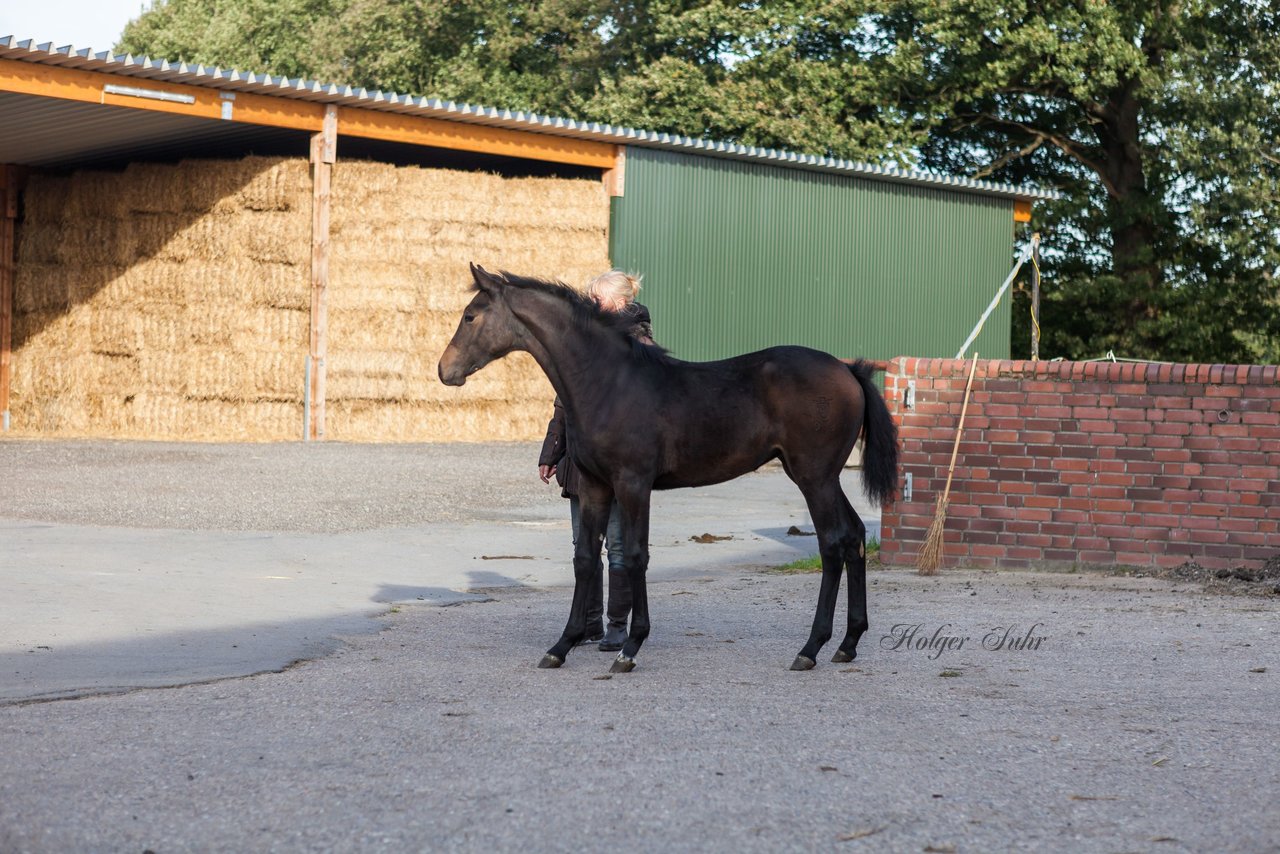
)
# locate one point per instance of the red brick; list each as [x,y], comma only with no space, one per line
[1134,427]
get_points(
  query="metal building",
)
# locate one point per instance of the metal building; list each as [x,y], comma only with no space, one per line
[743,254]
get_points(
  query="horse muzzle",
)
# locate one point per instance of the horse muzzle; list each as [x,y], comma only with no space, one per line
[451,377]
[451,373]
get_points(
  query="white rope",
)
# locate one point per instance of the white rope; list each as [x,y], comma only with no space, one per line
[1022,259]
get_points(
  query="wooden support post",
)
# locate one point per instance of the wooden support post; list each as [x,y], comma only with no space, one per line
[615,176]
[11,180]
[324,149]
[1035,297]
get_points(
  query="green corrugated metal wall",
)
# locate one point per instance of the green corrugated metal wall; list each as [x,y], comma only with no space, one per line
[738,256]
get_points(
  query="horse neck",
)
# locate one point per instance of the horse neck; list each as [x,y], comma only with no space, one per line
[577,358]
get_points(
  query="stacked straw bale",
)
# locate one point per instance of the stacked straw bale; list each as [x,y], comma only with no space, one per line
[401,242]
[164,302]
[173,301]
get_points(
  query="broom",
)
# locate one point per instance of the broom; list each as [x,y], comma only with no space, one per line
[930,557]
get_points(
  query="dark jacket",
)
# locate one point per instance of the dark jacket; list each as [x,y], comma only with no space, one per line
[555,450]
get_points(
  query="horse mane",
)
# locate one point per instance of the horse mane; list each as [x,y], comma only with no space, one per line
[586,312]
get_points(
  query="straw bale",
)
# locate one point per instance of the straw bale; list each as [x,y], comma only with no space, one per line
[86,241]
[114,370]
[233,279]
[39,287]
[272,237]
[358,183]
[159,188]
[268,184]
[116,330]
[370,328]
[164,302]
[177,416]
[173,301]
[209,374]
[39,245]
[360,298]
[282,237]
[93,195]
[45,199]
[409,422]
[399,281]
[212,186]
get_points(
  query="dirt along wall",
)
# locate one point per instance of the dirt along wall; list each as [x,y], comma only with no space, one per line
[173,301]
[1090,463]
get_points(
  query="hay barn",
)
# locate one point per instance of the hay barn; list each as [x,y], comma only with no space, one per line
[208,254]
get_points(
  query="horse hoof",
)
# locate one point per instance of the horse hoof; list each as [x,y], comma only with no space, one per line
[841,657]
[802,662]
[622,664]
[550,662]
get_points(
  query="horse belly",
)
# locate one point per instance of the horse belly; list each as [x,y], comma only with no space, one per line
[712,455]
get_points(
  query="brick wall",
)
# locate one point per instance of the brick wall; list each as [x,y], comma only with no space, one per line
[1089,462]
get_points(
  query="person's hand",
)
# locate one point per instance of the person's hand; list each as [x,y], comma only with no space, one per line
[545,472]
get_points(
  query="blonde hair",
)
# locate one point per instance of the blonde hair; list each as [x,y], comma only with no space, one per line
[613,286]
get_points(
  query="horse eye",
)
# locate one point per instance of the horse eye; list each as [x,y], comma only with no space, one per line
[469,318]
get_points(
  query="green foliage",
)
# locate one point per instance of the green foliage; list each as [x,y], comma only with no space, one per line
[275,36]
[1157,120]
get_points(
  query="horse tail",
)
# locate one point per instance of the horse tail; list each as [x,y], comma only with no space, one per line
[880,450]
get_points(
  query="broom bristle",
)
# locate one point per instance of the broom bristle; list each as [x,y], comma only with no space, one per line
[930,557]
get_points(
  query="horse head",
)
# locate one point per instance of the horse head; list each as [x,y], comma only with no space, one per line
[487,331]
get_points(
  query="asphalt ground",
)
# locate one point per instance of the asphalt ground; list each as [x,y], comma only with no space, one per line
[150,564]
[1026,711]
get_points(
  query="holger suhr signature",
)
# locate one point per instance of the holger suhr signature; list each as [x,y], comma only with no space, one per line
[914,637]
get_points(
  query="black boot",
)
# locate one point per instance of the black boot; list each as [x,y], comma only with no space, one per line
[619,609]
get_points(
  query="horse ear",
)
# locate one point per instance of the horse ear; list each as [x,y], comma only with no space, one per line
[483,280]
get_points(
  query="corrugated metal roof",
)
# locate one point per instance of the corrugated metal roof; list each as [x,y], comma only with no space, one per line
[330,93]
[51,133]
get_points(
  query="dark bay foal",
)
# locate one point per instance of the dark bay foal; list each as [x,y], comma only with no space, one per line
[641,420]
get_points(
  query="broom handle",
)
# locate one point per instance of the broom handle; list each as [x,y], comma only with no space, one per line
[964,407]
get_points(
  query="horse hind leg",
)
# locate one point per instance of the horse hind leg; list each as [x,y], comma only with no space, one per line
[634,503]
[830,522]
[855,560]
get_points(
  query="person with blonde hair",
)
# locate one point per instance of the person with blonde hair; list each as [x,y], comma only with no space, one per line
[614,291]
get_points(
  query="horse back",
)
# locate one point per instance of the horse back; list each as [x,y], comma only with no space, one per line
[718,420]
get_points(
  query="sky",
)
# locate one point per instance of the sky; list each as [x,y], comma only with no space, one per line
[82,23]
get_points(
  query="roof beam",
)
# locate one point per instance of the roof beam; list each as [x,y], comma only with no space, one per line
[117,90]
[73,84]
[464,136]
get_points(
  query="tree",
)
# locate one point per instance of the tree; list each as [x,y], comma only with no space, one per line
[273,36]
[1157,121]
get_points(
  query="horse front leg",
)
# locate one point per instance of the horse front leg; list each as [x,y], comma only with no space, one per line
[595,500]
[633,500]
